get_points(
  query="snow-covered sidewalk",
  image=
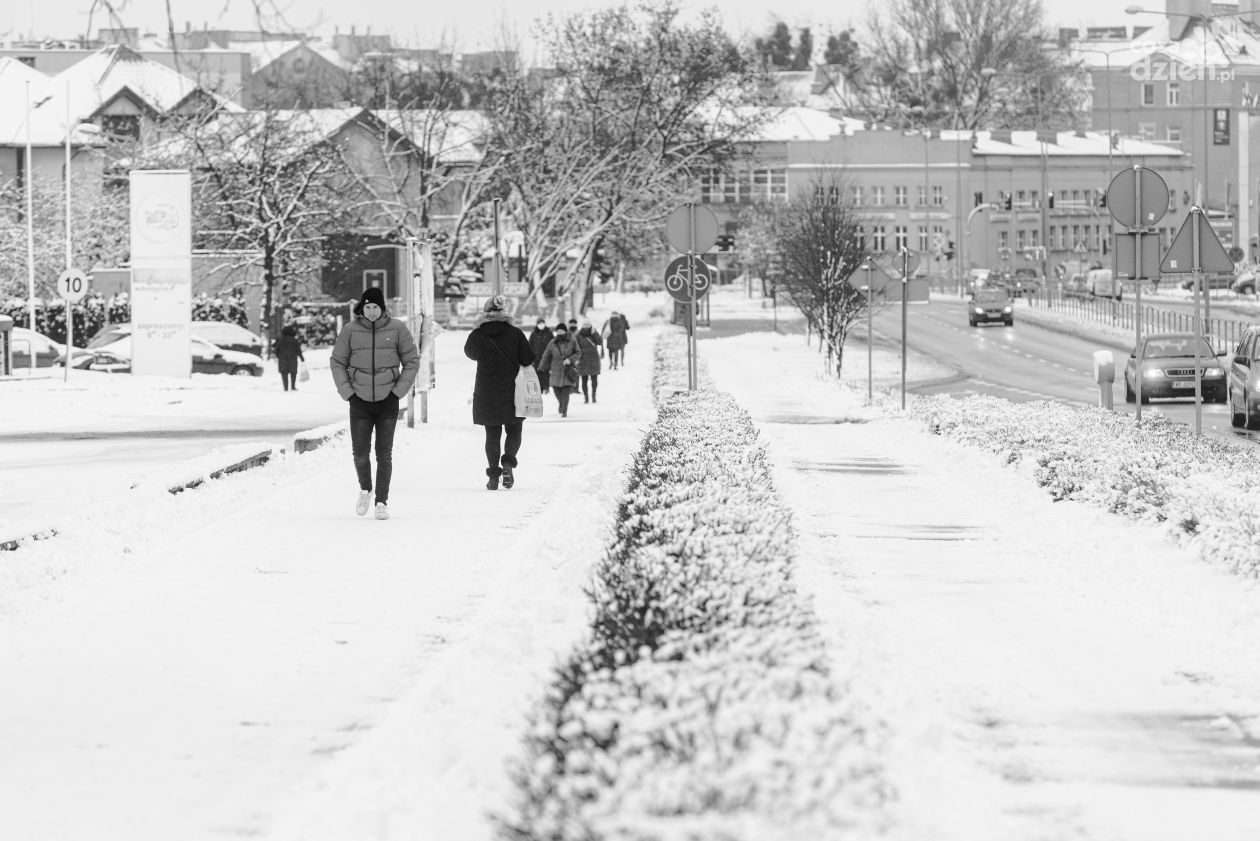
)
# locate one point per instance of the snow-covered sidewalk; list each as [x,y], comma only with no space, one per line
[1049,671]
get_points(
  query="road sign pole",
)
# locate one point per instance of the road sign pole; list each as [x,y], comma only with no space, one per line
[1198,327]
[905,298]
[870,346]
[1137,291]
[692,368]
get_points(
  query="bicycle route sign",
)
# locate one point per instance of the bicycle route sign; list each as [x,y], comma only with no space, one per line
[680,278]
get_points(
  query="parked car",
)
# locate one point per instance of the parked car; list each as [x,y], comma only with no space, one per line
[224,334]
[207,358]
[1168,369]
[1077,286]
[26,344]
[991,304]
[1244,380]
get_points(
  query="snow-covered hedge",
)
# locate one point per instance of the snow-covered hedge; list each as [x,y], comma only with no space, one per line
[703,704]
[1206,491]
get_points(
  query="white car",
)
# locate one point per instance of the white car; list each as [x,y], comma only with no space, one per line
[207,358]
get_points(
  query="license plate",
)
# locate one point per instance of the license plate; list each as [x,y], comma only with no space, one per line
[1183,384]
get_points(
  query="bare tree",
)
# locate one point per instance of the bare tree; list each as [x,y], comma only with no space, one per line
[638,106]
[819,239]
[965,64]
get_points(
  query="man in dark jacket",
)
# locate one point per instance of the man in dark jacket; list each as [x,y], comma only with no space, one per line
[499,349]
[539,338]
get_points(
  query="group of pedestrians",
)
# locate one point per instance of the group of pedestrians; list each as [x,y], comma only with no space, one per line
[375,360]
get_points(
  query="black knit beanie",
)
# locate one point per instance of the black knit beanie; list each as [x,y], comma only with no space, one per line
[371,295]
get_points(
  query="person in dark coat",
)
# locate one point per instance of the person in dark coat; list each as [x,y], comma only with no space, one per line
[288,352]
[560,360]
[592,347]
[539,338]
[615,335]
[499,349]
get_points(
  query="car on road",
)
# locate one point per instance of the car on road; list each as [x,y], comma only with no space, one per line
[27,344]
[223,334]
[992,303]
[207,358]
[1168,369]
[1102,284]
[1245,282]
[1210,281]
[1024,281]
[1244,381]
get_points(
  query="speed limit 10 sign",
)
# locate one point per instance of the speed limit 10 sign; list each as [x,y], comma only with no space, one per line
[72,285]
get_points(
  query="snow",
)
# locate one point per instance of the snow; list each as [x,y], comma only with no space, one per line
[250,658]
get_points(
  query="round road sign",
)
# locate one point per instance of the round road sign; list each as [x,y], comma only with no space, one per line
[678,279]
[691,227]
[1122,200]
[72,285]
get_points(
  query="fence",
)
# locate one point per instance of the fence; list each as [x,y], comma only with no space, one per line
[1124,314]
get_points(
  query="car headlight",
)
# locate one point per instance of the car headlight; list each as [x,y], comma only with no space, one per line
[1153,374]
[1007,311]
[979,310]
[1213,373]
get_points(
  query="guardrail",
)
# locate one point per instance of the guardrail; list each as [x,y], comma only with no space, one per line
[1124,314]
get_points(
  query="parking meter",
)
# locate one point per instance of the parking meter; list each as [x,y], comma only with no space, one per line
[6,353]
[1104,375]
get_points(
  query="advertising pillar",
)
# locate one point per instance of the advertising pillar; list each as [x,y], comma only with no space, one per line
[161,273]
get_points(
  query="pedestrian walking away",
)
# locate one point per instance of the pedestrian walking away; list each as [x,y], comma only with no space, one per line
[374,363]
[539,338]
[288,354]
[614,332]
[500,349]
[560,361]
[592,347]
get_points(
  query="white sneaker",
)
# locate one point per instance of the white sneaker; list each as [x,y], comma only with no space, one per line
[364,498]
[382,513]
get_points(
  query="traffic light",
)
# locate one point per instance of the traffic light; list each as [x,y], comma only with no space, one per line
[726,242]
[978,198]
[1050,200]
[949,250]
[1102,197]
[1006,201]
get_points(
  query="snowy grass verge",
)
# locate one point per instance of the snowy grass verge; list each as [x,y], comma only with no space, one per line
[703,703]
[1205,491]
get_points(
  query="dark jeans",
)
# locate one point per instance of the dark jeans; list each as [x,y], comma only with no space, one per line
[381,416]
[511,443]
[289,379]
[562,393]
[594,378]
[615,357]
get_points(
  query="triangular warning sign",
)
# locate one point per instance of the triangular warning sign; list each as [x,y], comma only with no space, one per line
[1180,256]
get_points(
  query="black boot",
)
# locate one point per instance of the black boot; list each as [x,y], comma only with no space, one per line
[493,474]
[508,478]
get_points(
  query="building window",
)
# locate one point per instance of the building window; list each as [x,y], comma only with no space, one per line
[121,126]
[1021,199]
[861,237]
[1173,134]
[900,197]
[1076,236]
[1174,94]
[923,238]
[1076,197]
[1003,240]
[938,196]
[1146,131]
[879,241]
[770,185]
[877,196]
[857,196]
[1148,94]
[921,192]
[901,238]
[1019,240]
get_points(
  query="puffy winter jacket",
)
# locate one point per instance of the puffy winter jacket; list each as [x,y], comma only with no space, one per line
[373,359]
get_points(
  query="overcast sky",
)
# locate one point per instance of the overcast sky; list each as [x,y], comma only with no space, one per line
[421,22]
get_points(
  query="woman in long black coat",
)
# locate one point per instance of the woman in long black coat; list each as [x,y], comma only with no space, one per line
[499,349]
[539,338]
[288,352]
